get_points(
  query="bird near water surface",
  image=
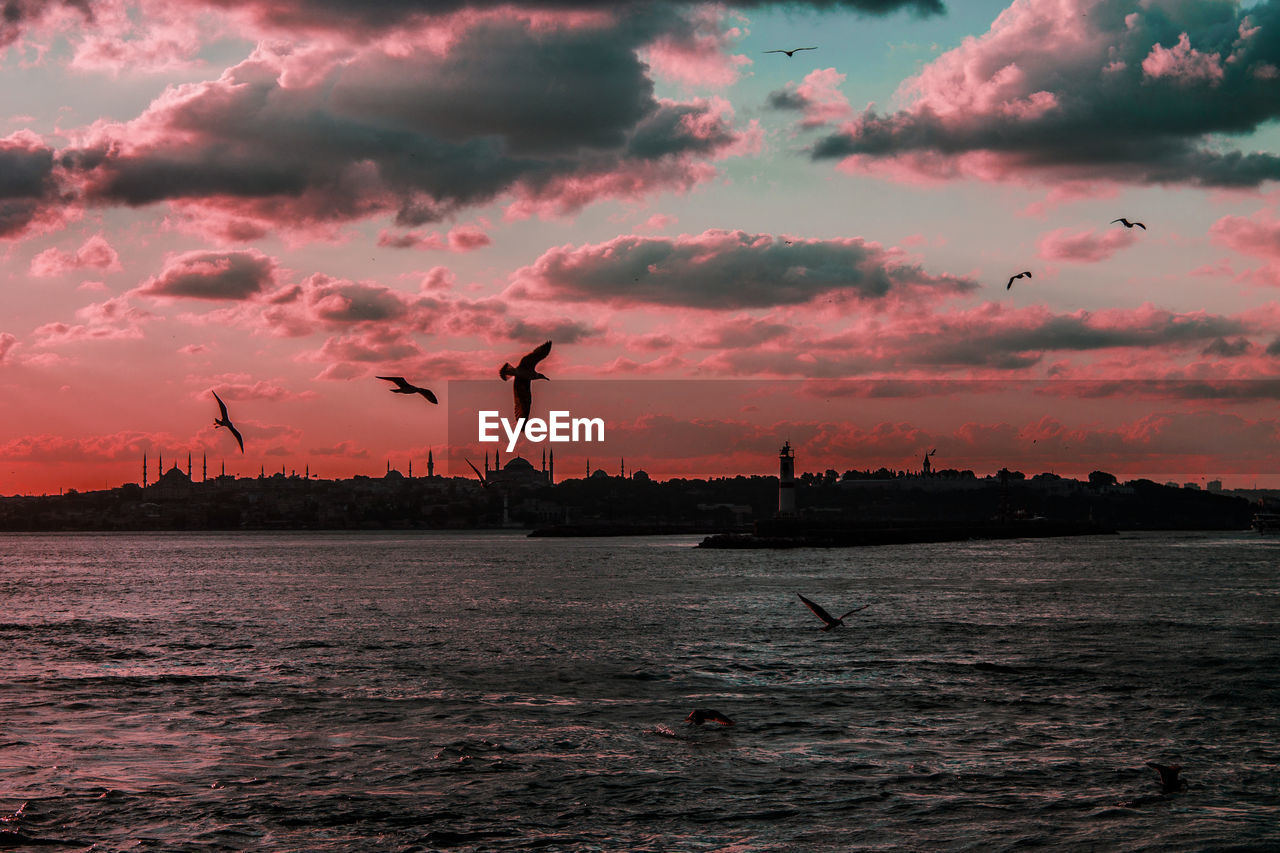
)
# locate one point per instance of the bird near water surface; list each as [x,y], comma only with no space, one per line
[405,388]
[225,421]
[524,373]
[698,716]
[828,620]
[1170,783]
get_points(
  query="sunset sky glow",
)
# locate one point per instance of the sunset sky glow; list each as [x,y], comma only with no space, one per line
[279,200]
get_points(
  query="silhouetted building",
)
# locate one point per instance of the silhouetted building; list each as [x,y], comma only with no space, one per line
[786,480]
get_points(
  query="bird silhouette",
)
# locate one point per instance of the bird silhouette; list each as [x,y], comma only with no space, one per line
[792,52]
[483,482]
[406,388]
[524,374]
[829,620]
[1128,224]
[225,421]
[1169,781]
[698,716]
[1012,279]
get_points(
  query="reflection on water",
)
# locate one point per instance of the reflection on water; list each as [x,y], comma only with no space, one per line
[491,692]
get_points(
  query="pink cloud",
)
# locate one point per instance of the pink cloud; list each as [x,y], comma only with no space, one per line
[818,96]
[96,253]
[1183,63]
[698,55]
[7,343]
[657,222]
[463,238]
[1063,244]
[243,387]
[112,320]
[1257,235]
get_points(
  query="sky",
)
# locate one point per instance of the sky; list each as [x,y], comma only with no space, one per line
[281,200]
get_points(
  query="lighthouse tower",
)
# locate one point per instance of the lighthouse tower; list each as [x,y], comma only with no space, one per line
[786,480]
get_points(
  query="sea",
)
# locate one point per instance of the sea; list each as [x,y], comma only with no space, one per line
[484,691]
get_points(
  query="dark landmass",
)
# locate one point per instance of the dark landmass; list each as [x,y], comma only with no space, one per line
[798,534]
[858,507]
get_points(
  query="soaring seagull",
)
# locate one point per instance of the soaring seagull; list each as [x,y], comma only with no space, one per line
[1012,279]
[1169,781]
[698,716]
[1128,224]
[483,482]
[406,388]
[826,617]
[792,52]
[225,421]
[524,374]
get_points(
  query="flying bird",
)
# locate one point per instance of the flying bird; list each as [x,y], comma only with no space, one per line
[225,421]
[698,716]
[483,482]
[406,388]
[1169,781]
[826,617]
[1128,224]
[1023,274]
[792,52]
[524,374]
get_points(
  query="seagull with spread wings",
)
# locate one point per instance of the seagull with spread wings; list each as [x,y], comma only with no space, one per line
[225,421]
[829,620]
[792,52]
[1128,224]
[1012,279]
[525,372]
[405,388]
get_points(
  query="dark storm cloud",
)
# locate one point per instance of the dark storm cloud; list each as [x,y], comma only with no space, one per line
[27,184]
[383,14]
[213,275]
[556,118]
[725,269]
[1021,341]
[786,99]
[1228,349]
[16,15]
[1130,92]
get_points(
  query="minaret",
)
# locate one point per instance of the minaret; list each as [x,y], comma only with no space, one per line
[188,464]
[622,468]
[160,464]
[588,467]
[307,473]
[431,465]
[388,466]
[410,469]
[551,469]
[544,460]
[486,463]
[204,467]
[786,480]
[224,467]
[144,469]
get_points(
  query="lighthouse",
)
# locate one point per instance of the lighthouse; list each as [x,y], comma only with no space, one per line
[786,480]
